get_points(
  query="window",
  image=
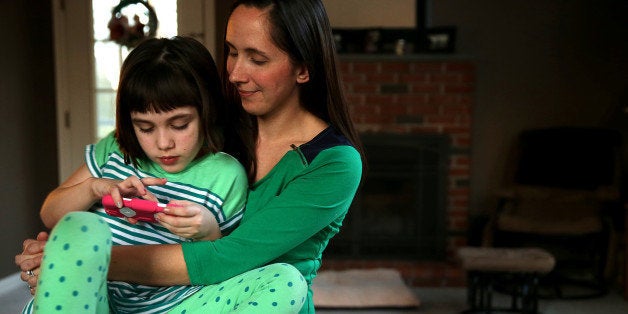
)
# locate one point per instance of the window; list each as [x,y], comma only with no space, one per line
[109,55]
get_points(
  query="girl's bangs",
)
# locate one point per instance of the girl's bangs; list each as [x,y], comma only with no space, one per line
[161,90]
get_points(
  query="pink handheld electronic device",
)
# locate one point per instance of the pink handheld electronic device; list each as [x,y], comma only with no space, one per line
[137,208]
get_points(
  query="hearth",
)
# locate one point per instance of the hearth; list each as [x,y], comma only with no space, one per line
[400,210]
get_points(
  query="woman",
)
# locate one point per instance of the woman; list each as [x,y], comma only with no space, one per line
[281,68]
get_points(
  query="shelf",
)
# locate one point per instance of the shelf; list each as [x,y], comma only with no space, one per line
[376,57]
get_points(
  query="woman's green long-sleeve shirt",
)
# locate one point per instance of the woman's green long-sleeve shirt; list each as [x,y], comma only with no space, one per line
[290,216]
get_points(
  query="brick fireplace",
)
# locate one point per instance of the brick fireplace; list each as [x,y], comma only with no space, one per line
[418,95]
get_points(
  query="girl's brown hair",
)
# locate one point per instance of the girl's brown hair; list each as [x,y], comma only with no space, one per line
[162,74]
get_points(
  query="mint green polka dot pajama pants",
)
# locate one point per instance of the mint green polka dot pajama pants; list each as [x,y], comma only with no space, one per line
[73,278]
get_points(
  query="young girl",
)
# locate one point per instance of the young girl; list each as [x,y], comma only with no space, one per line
[167,147]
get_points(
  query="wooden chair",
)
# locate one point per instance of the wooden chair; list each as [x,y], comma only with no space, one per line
[565,186]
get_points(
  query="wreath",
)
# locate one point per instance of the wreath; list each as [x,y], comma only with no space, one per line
[127,32]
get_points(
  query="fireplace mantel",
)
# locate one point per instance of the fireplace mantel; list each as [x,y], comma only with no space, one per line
[375,57]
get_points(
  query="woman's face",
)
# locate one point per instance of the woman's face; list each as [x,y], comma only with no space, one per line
[264,75]
[172,139]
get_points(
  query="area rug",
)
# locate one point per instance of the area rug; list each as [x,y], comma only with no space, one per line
[362,288]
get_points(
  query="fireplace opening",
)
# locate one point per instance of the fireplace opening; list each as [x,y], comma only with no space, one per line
[400,210]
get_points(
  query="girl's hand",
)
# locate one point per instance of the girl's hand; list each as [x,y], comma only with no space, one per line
[29,260]
[189,220]
[129,187]
[81,190]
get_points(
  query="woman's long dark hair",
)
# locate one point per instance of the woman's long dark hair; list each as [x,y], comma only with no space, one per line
[162,74]
[301,29]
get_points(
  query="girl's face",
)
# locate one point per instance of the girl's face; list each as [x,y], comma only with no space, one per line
[171,139]
[264,75]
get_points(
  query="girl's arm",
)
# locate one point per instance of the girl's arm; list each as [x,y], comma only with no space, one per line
[75,194]
[81,190]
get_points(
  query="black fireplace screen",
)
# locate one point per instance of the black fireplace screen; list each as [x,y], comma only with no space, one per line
[399,212]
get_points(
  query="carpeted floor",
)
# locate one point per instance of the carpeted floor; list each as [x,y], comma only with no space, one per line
[13,294]
[434,300]
[363,288]
[447,300]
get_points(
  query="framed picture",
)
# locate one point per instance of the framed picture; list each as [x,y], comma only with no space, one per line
[439,39]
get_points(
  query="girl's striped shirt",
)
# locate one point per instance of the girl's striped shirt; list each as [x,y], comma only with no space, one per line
[216,181]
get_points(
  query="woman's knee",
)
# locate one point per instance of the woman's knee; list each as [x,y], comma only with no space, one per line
[291,278]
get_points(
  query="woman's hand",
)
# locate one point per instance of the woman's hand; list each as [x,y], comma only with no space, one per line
[29,260]
[189,220]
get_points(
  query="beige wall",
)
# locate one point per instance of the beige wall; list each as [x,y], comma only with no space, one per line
[371,13]
[539,64]
[28,158]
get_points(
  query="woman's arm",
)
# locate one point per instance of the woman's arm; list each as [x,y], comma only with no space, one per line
[269,232]
[156,265]
[314,201]
[304,207]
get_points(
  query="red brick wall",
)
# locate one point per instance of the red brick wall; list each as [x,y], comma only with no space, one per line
[418,95]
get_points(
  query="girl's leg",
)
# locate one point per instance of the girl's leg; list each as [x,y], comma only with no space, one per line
[276,288]
[74,269]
